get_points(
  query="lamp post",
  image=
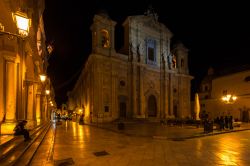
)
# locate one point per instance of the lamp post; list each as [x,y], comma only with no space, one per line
[43,77]
[229,99]
[23,24]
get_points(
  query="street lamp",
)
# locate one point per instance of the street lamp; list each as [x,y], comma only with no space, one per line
[229,99]
[47,92]
[23,24]
[43,77]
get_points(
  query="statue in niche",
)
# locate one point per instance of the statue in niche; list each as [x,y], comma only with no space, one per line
[39,48]
[163,57]
[132,48]
[169,57]
[174,61]
[139,51]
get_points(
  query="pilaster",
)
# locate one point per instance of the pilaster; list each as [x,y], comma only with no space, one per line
[38,108]
[134,90]
[30,105]
[10,89]
[10,93]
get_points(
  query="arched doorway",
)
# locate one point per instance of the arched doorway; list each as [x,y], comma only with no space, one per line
[152,106]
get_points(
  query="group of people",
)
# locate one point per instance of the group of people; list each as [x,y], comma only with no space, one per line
[224,122]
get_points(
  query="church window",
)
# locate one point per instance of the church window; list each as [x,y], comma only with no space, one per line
[151,51]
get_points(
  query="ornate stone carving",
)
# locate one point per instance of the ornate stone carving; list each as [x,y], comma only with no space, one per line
[132,48]
[172,63]
[151,13]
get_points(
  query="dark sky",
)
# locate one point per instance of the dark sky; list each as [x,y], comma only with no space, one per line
[216,34]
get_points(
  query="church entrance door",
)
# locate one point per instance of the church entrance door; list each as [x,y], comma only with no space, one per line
[152,106]
[122,110]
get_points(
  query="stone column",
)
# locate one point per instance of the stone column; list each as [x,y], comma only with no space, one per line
[114,110]
[142,98]
[100,97]
[134,94]
[44,108]
[166,111]
[30,105]
[38,108]
[171,95]
[2,88]
[10,93]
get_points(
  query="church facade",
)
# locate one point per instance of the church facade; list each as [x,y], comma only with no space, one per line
[144,80]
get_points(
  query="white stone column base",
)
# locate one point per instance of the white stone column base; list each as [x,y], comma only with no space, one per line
[8,127]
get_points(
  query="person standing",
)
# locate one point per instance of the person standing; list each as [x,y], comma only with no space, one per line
[222,123]
[230,121]
[226,122]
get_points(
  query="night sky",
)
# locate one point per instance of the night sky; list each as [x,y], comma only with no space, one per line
[216,34]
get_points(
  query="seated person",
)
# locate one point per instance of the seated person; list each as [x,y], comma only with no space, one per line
[20,130]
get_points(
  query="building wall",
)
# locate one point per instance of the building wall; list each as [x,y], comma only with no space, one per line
[140,82]
[20,65]
[234,84]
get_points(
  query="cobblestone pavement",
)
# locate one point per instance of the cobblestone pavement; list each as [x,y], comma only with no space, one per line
[93,146]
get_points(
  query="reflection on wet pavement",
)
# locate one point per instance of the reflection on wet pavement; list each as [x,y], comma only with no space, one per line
[81,142]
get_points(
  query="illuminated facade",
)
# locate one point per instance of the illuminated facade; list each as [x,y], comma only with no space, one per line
[234,82]
[21,62]
[145,79]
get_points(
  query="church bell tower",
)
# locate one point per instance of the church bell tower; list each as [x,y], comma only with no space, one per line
[103,34]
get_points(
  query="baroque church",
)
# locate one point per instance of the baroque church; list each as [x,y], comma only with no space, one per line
[144,80]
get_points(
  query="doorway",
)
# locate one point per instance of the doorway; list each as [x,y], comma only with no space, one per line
[122,108]
[152,106]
